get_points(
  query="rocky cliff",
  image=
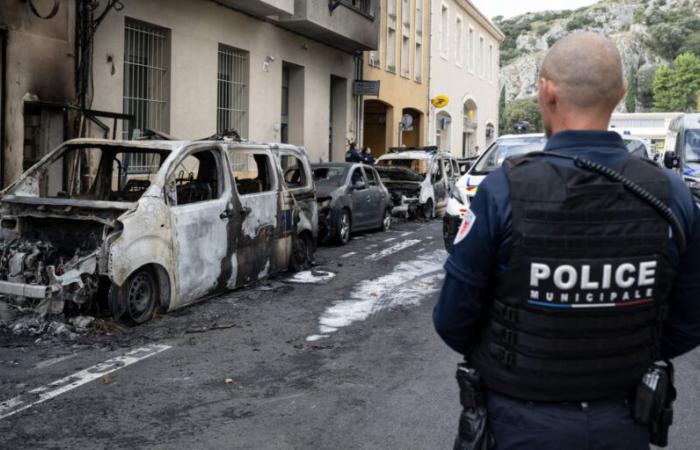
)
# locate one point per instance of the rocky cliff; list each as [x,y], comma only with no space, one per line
[648,33]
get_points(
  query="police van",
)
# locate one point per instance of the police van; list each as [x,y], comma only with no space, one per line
[682,150]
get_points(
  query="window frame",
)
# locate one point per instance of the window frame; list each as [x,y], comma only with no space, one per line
[222,182]
[308,173]
[271,166]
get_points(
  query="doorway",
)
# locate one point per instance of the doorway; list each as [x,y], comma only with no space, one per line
[337,121]
[3,65]
[377,126]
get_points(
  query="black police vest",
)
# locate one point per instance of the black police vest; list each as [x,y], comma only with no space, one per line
[577,314]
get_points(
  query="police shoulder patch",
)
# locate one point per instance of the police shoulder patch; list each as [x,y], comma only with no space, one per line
[465,227]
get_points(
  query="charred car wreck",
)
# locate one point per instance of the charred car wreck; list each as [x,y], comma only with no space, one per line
[136,225]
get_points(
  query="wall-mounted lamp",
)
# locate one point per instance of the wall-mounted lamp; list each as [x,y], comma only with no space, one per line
[266,64]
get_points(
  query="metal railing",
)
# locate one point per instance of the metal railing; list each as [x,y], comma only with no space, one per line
[232,90]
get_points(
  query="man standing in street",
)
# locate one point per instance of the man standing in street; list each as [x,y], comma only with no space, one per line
[566,284]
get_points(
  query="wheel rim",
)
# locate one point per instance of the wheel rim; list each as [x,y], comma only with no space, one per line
[141,295]
[344,227]
[387,220]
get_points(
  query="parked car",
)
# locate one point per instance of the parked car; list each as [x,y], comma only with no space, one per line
[465,164]
[682,150]
[419,180]
[147,224]
[351,198]
[467,186]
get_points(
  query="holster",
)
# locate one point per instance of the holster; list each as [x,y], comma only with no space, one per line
[473,433]
[652,403]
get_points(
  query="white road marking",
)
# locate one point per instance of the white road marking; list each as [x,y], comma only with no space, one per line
[389,240]
[347,255]
[408,233]
[50,362]
[391,250]
[41,394]
[408,284]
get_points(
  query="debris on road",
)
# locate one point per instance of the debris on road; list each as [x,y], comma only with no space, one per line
[228,381]
[210,328]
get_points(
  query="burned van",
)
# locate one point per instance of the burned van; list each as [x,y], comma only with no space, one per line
[137,225]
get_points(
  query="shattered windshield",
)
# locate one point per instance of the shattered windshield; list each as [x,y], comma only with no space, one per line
[95,173]
[502,149]
[692,146]
[420,166]
[334,176]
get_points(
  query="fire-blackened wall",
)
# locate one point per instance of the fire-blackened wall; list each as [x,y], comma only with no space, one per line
[39,65]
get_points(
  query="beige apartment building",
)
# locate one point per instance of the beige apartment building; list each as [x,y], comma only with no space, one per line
[464,62]
[400,64]
[272,70]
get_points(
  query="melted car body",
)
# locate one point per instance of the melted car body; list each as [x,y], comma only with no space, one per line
[419,180]
[146,224]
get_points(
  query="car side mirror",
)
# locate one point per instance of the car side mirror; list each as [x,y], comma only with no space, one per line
[359,185]
[671,160]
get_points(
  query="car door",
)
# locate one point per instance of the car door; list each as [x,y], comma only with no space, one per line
[438,178]
[264,224]
[296,171]
[361,198]
[376,205]
[199,193]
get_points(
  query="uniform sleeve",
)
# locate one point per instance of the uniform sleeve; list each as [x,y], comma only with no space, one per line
[682,328]
[459,308]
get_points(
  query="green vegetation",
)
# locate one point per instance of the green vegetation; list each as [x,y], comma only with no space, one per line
[631,96]
[645,88]
[502,110]
[677,88]
[674,31]
[525,109]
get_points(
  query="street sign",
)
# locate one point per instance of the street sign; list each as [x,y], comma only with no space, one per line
[365,87]
[440,101]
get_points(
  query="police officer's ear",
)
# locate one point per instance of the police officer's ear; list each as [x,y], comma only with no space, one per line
[548,92]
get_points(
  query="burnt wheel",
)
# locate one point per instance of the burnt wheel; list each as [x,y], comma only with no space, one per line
[343,227]
[138,297]
[302,253]
[428,210]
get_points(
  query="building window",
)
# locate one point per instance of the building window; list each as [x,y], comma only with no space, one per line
[284,119]
[363,6]
[146,82]
[418,54]
[489,67]
[405,37]
[374,59]
[459,55]
[391,36]
[444,31]
[472,50]
[232,91]
[481,56]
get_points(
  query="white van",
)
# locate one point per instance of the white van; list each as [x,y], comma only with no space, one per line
[682,149]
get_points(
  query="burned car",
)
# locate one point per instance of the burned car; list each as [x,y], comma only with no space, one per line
[351,198]
[136,225]
[419,180]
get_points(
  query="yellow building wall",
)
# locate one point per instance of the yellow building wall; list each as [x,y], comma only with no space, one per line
[398,93]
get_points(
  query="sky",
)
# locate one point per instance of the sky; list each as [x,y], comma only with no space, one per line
[509,8]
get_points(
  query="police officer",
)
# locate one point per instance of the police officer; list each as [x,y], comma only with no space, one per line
[564,286]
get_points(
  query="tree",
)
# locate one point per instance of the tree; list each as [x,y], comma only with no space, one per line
[502,111]
[631,96]
[523,110]
[676,88]
[645,88]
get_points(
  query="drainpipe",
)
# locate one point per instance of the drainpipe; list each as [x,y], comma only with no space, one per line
[359,103]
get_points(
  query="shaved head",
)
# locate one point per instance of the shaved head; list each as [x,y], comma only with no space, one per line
[581,72]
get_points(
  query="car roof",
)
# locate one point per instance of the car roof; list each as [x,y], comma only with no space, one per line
[520,136]
[409,154]
[333,164]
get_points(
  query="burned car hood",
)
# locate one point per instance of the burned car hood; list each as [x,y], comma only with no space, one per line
[400,174]
[100,211]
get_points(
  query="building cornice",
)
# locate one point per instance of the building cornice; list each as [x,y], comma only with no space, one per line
[484,21]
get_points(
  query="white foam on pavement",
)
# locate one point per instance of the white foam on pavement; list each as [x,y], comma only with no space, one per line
[408,284]
[311,277]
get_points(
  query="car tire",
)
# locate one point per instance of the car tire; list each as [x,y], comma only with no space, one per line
[386,221]
[343,227]
[138,297]
[302,253]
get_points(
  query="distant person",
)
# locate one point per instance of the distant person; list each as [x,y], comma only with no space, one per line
[575,271]
[367,157]
[352,155]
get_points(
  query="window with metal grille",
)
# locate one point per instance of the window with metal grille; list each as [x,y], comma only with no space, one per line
[418,55]
[232,91]
[146,84]
[391,36]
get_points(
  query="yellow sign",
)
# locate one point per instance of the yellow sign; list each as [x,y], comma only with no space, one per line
[440,101]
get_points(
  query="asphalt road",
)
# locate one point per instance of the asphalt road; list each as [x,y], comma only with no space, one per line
[344,361]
